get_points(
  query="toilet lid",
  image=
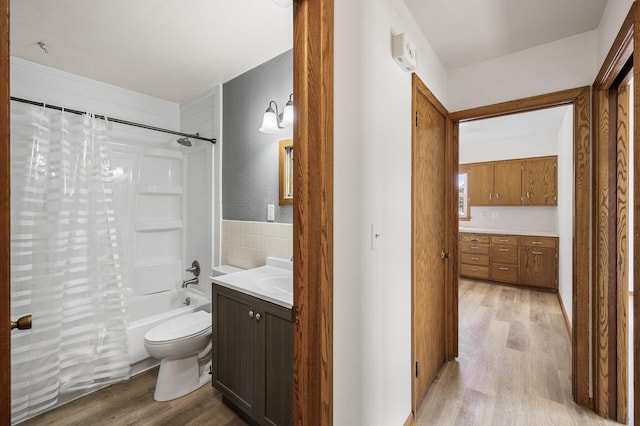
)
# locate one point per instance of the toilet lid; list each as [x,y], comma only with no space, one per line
[181,327]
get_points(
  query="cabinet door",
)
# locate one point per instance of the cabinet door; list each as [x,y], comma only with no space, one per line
[480,181]
[276,339]
[540,182]
[507,184]
[537,266]
[234,343]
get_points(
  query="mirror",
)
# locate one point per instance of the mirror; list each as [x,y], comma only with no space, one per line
[463,205]
[286,172]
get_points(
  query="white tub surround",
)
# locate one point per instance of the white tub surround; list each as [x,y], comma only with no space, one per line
[247,244]
[272,282]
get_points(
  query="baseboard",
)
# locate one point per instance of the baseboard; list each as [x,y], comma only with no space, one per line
[411,420]
[567,323]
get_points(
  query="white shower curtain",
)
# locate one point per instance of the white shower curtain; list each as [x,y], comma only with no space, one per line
[64,260]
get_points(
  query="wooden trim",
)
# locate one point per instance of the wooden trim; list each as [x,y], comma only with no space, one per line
[451,242]
[565,316]
[622,255]
[520,105]
[282,172]
[619,54]
[313,212]
[5,217]
[636,220]
[610,229]
[411,420]
[580,98]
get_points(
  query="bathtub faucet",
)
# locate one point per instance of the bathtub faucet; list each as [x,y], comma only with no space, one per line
[186,283]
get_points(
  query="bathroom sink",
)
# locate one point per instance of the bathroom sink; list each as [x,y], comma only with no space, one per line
[276,285]
[272,282]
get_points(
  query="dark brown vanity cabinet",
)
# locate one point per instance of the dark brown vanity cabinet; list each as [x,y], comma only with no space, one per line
[253,355]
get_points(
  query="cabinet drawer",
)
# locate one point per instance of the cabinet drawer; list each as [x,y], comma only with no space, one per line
[474,259]
[504,254]
[505,273]
[538,242]
[476,248]
[474,238]
[507,240]
[474,271]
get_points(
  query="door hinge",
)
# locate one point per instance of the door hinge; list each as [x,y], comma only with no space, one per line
[295,315]
[416,369]
[416,118]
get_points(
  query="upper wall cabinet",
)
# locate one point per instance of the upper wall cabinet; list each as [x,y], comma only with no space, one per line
[540,182]
[529,182]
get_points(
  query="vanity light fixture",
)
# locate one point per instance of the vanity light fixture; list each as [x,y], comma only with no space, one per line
[287,114]
[273,121]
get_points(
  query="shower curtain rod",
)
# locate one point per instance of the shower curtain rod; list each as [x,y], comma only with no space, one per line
[114,120]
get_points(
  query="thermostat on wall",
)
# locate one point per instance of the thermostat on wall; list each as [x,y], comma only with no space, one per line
[404,52]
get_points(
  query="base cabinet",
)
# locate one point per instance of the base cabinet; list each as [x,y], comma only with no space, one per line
[515,259]
[253,356]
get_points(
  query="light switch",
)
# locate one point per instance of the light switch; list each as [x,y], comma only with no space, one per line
[376,237]
[271,212]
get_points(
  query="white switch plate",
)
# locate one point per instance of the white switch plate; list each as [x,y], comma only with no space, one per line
[271,212]
[376,237]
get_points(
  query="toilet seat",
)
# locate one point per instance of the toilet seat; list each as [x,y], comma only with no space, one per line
[180,328]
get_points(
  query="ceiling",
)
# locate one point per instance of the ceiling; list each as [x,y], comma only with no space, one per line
[173,52]
[160,48]
[465,32]
[526,127]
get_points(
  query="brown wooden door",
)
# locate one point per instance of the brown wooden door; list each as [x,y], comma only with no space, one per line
[428,241]
[540,182]
[538,266]
[507,184]
[480,181]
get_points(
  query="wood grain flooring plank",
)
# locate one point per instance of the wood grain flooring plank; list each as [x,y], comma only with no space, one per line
[514,366]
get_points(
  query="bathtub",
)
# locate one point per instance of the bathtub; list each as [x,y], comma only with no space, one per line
[145,312]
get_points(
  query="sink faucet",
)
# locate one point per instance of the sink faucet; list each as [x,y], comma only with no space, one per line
[188,282]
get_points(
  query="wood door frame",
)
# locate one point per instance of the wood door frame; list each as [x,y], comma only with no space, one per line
[313,213]
[579,98]
[5,217]
[450,234]
[610,288]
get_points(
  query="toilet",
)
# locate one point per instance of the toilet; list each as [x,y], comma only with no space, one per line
[181,344]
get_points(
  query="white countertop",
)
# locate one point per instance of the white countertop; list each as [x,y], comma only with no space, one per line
[508,232]
[273,282]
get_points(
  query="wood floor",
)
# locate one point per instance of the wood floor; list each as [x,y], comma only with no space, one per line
[131,403]
[514,366]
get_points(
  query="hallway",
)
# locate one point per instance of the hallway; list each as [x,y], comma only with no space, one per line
[514,366]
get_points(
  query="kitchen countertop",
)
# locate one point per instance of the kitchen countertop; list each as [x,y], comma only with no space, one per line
[508,232]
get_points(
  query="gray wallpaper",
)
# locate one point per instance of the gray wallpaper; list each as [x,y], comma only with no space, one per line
[250,158]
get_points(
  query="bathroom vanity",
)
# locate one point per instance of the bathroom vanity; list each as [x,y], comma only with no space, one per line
[253,343]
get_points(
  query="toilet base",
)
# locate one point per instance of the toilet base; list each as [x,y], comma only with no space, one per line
[179,377]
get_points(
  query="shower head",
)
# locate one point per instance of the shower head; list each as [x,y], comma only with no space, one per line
[184,141]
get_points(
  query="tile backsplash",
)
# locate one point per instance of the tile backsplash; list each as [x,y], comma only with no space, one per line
[247,244]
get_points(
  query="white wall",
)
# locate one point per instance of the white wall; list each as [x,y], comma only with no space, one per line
[565,212]
[559,65]
[372,171]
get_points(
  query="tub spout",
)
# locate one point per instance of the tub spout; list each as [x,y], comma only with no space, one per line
[189,282]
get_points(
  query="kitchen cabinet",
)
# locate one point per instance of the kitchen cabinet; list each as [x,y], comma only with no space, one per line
[530,181]
[253,355]
[480,181]
[540,182]
[515,259]
[538,262]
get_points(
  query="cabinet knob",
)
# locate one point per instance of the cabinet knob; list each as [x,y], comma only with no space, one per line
[475,258]
[536,252]
[250,314]
[497,196]
[504,250]
[503,269]
[257,317]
